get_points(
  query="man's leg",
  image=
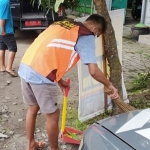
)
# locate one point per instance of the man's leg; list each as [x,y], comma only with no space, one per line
[47,97]
[53,129]
[33,107]
[10,42]
[30,126]
[2,60]
[10,61]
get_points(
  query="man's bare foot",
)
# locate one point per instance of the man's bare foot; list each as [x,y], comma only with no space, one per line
[32,147]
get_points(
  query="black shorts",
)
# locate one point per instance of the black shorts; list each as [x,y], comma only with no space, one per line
[8,42]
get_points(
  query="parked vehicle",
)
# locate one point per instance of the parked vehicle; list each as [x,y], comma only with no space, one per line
[27,16]
[127,131]
[136,9]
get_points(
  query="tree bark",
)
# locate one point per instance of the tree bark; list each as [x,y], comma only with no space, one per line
[111,52]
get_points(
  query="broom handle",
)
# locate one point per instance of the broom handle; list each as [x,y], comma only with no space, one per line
[64,112]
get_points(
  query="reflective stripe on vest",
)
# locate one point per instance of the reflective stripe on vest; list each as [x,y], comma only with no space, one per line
[61,43]
[68,45]
[74,55]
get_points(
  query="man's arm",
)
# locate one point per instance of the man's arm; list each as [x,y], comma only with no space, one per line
[86,50]
[98,75]
[2,25]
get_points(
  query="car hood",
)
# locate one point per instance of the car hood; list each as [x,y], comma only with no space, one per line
[132,127]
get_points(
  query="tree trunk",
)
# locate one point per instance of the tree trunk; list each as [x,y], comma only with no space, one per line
[111,52]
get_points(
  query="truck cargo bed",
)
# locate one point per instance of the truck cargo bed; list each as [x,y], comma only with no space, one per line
[29,10]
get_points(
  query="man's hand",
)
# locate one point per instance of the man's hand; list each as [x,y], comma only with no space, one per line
[63,84]
[114,95]
[3,33]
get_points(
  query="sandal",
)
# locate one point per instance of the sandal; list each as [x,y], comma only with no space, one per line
[40,145]
[13,74]
[3,71]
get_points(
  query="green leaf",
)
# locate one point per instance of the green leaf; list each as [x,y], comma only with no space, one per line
[57,4]
[53,14]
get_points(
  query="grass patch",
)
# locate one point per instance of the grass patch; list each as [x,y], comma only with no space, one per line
[73,121]
[139,104]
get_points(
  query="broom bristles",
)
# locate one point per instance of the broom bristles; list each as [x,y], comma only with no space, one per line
[120,103]
[123,106]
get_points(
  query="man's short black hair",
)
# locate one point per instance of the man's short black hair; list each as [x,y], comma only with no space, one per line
[95,18]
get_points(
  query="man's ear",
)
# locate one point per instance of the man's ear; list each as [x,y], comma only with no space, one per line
[97,28]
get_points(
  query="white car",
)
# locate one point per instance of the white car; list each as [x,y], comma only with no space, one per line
[127,131]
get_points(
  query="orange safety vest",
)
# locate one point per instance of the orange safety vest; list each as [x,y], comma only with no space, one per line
[52,53]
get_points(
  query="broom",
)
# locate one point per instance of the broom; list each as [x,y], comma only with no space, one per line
[120,103]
